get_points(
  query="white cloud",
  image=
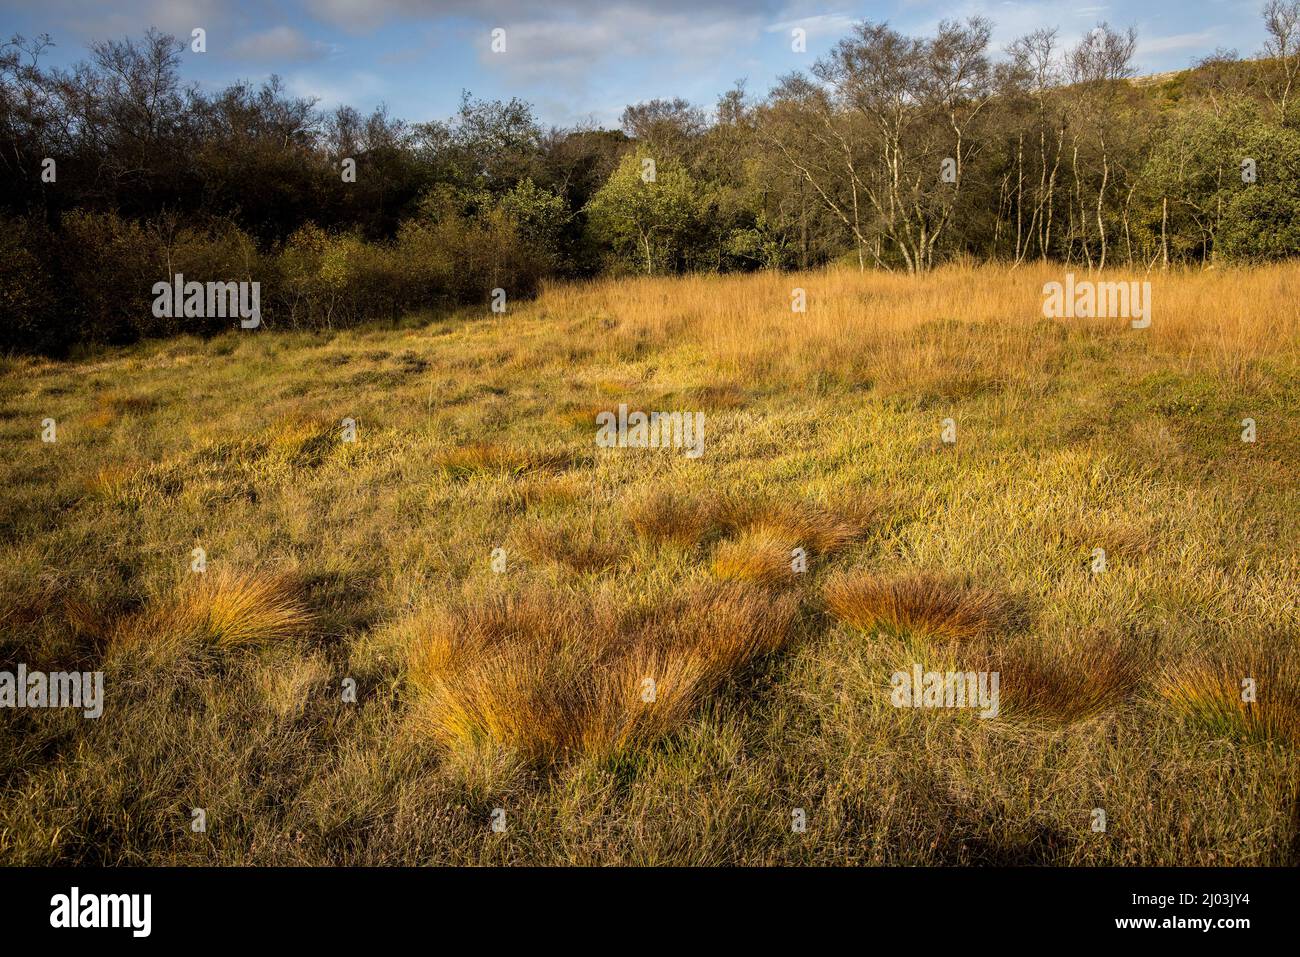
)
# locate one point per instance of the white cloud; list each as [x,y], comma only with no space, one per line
[358,87]
[566,52]
[817,25]
[280,44]
[1179,41]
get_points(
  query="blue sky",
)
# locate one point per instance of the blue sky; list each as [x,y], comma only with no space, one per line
[575,60]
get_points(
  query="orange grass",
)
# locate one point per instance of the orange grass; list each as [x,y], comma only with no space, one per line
[550,678]
[924,603]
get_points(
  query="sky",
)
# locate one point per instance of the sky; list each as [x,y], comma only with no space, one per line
[575,60]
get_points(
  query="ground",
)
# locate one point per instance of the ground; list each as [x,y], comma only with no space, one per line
[360,676]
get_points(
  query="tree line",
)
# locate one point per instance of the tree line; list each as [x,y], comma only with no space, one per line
[890,152]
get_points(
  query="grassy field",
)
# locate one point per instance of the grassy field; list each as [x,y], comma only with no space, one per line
[510,687]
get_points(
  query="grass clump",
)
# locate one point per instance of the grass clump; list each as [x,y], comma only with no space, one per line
[760,556]
[670,517]
[1212,692]
[579,548]
[486,458]
[224,609]
[550,678]
[1068,685]
[924,603]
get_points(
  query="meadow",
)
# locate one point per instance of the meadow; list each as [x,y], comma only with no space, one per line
[431,645]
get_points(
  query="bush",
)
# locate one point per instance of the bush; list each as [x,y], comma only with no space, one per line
[457,251]
[1261,223]
[28,314]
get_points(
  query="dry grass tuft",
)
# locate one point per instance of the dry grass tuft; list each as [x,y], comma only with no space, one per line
[1121,537]
[581,549]
[549,678]
[249,609]
[485,458]
[111,406]
[1072,685]
[812,527]
[685,520]
[761,556]
[672,518]
[583,415]
[1208,692]
[221,608]
[928,604]
[128,404]
[543,489]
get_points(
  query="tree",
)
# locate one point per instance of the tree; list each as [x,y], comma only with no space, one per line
[646,219]
[1282,48]
[884,133]
[1098,67]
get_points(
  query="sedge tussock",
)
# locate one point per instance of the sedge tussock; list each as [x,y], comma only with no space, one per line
[1213,692]
[485,458]
[580,549]
[543,489]
[223,609]
[761,556]
[550,677]
[924,603]
[1074,684]
[685,520]
[668,517]
[110,482]
[812,527]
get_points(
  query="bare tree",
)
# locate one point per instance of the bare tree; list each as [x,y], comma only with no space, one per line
[1034,64]
[887,116]
[1097,66]
[1282,48]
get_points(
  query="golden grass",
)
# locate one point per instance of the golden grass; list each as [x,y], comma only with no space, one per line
[542,489]
[222,608]
[580,548]
[485,458]
[1062,686]
[986,324]
[684,520]
[669,517]
[286,682]
[809,526]
[709,398]
[923,603]
[111,406]
[128,403]
[1208,692]
[718,397]
[301,442]
[1120,537]
[822,435]
[547,678]
[761,556]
